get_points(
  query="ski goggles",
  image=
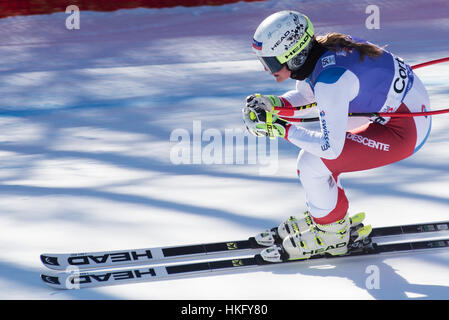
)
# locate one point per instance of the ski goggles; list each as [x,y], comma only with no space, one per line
[274,64]
[271,64]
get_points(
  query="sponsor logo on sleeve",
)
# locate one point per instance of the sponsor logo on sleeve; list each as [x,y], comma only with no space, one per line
[325,131]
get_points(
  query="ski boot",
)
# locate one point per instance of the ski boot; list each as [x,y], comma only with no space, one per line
[334,239]
[289,227]
[294,225]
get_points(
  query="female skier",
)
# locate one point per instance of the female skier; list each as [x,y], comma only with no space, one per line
[342,75]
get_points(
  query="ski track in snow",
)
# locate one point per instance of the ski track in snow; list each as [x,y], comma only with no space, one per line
[86,119]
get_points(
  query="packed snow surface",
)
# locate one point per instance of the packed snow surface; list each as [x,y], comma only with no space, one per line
[92,120]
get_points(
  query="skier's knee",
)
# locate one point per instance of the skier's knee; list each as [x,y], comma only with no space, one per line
[311,165]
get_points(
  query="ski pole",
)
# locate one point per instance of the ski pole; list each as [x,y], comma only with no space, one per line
[376,114]
[429,63]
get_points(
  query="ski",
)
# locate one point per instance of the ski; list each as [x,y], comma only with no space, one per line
[410,229]
[110,259]
[135,274]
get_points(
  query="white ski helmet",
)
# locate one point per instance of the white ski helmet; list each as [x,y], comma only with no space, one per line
[281,37]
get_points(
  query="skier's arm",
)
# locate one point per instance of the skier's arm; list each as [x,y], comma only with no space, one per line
[334,89]
[302,95]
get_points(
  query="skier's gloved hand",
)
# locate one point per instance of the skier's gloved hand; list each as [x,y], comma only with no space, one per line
[267,102]
[280,127]
[253,116]
[261,123]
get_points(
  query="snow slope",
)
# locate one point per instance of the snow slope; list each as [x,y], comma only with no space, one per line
[86,118]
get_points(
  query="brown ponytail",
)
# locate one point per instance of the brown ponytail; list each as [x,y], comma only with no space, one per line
[336,41]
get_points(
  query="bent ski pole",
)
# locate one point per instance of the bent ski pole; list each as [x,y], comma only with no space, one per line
[375,114]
